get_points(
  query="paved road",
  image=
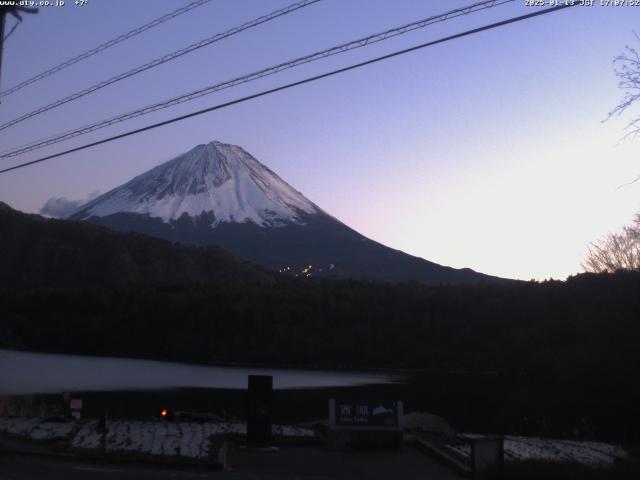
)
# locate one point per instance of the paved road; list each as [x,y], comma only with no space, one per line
[23,467]
[302,463]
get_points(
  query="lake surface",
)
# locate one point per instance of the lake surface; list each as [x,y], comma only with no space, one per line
[29,373]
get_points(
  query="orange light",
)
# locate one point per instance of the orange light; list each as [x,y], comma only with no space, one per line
[163,413]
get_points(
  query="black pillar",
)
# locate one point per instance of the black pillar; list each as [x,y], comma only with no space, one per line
[259,410]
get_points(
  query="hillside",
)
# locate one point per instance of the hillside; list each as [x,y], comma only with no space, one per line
[41,252]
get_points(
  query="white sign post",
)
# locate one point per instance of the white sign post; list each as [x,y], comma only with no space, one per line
[75,405]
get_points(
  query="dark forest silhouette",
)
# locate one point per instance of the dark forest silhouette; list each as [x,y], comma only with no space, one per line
[573,345]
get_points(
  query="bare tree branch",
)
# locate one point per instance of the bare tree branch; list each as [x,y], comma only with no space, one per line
[627,69]
[618,251]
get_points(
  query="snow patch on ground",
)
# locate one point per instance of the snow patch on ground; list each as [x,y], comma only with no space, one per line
[36,428]
[517,449]
[87,436]
[174,439]
[52,431]
[19,425]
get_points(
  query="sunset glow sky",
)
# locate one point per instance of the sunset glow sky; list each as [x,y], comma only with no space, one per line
[486,152]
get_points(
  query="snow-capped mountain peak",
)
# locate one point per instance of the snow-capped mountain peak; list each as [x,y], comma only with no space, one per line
[217,178]
[218,194]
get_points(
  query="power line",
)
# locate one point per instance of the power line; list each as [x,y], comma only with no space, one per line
[164,59]
[362,42]
[295,84]
[13,29]
[104,46]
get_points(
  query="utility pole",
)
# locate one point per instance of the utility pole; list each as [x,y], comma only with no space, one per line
[15,11]
[2,15]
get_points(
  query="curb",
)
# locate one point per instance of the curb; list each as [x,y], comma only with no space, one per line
[438,453]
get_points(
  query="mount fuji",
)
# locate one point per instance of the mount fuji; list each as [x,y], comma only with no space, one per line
[218,194]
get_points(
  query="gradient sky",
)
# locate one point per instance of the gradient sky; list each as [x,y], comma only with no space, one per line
[486,152]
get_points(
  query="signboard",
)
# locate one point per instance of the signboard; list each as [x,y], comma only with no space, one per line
[365,424]
[366,414]
[75,404]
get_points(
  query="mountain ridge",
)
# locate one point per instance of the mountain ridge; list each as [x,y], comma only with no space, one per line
[218,194]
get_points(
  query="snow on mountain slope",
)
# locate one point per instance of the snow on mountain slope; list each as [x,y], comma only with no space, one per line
[218,194]
[218,178]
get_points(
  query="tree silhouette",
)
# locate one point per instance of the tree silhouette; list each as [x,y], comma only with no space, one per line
[618,251]
[627,69]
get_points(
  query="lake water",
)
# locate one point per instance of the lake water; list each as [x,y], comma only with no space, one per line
[30,373]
